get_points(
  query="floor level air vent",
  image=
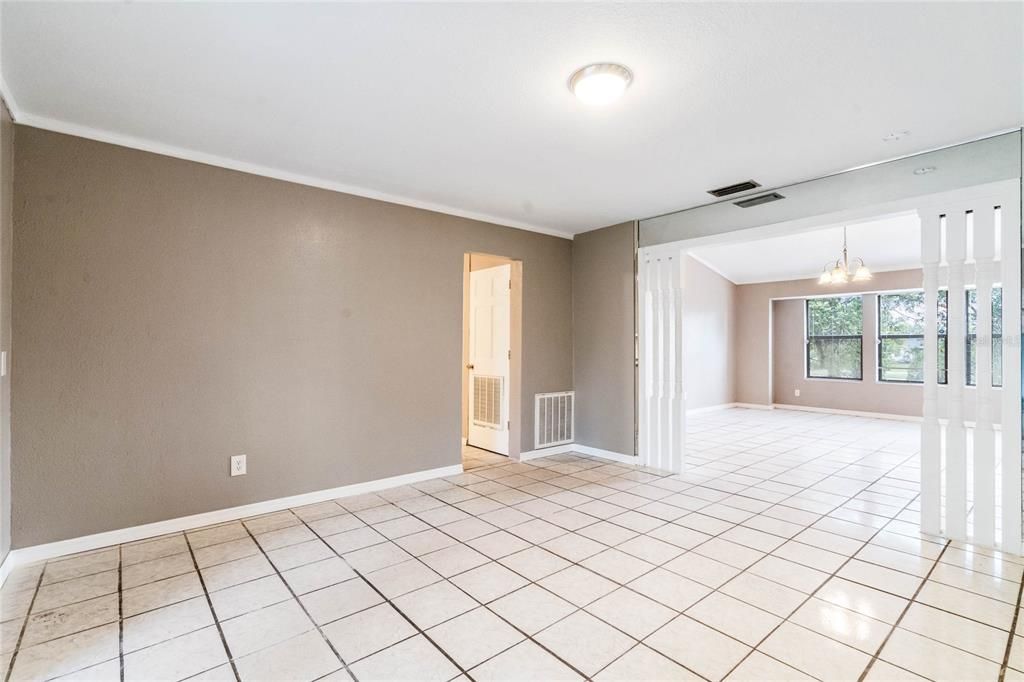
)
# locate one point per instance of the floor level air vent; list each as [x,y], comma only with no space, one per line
[758,200]
[553,419]
[734,189]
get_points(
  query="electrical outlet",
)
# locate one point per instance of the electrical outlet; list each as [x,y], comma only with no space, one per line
[796,392]
[238,465]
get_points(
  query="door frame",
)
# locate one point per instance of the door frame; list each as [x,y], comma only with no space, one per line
[515,403]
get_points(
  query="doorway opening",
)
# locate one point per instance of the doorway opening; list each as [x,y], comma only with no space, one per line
[918,363]
[491,354]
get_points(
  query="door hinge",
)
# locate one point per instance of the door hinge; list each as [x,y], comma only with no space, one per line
[510,355]
[508,426]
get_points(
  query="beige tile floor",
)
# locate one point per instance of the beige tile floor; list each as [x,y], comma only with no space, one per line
[789,551]
[474,458]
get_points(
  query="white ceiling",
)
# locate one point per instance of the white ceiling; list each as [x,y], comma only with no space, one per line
[891,243]
[464,107]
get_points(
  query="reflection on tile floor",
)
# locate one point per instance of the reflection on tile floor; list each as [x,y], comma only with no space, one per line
[789,551]
[474,458]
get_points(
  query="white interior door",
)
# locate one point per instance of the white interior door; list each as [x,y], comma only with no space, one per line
[490,351]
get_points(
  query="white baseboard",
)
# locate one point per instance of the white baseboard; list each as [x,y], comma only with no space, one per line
[546,452]
[6,566]
[28,555]
[713,408]
[753,406]
[606,454]
[581,449]
[850,413]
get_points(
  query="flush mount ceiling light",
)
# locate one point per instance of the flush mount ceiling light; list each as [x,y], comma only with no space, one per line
[600,84]
[838,271]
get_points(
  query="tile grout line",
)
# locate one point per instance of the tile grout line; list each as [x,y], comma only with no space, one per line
[910,602]
[737,471]
[721,501]
[24,625]
[728,494]
[1013,632]
[209,604]
[387,601]
[831,576]
[485,605]
[905,506]
[295,597]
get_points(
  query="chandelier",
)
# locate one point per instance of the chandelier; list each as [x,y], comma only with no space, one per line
[839,272]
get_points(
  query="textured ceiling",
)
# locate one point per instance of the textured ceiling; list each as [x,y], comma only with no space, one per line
[464,108]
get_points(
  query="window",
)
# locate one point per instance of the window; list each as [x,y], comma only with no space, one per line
[834,329]
[997,336]
[901,337]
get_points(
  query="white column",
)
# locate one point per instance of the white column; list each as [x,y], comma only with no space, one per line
[1010,427]
[956,437]
[931,436]
[984,435]
[662,407]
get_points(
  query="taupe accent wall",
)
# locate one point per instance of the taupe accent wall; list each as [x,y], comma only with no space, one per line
[169,314]
[709,336]
[603,308]
[6,230]
[754,351]
[866,395]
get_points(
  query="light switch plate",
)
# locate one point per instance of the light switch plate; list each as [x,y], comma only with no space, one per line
[238,465]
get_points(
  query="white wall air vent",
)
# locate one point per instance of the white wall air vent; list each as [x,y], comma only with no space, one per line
[553,419]
[487,401]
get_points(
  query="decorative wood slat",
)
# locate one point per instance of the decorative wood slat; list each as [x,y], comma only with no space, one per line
[956,435]
[931,443]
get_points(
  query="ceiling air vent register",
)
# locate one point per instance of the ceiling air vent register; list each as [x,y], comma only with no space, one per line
[758,200]
[734,189]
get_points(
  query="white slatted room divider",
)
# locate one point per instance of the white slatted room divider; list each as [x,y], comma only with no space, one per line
[662,408]
[948,507]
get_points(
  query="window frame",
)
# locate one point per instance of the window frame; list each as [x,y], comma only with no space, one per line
[942,342]
[808,337]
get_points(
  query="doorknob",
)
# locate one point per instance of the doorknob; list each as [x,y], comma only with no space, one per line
[470,367]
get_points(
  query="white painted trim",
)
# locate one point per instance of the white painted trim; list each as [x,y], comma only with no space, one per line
[5,568]
[544,452]
[754,406]
[828,410]
[606,454]
[710,408]
[579,449]
[8,97]
[849,413]
[34,121]
[27,555]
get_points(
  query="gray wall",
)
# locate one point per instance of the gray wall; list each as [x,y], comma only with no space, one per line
[169,314]
[6,230]
[709,336]
[602,306]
